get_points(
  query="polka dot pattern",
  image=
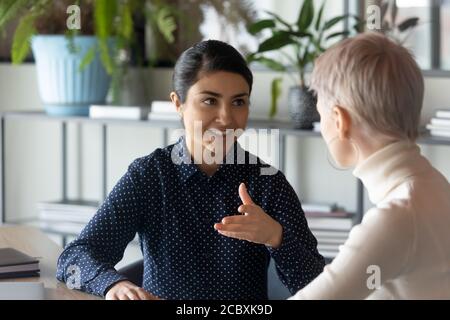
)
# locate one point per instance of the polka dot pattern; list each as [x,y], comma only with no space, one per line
[173,208]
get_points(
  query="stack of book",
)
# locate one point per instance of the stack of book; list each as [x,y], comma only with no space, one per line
[330,225]
[16,264]
[440,124]
[69,216]
[163,110]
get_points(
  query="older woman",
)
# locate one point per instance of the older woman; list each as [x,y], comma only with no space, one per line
[370,94]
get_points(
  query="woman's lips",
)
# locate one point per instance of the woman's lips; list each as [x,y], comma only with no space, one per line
[215,134]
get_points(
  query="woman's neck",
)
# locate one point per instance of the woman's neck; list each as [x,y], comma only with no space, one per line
[197,156]
[369,144]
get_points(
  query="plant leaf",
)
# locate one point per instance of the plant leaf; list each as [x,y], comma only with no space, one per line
[277,41]
[306,15]
[408,23]
[337,34]
[269,63]
[319,17]
[257,27]
[250,57]
[299,34]
[276,93]
[279,19]
[126,22]
[104,13]
[332,22]
[21,41]
[9,10]
[305,59]
[88,58]
[166,23]
[105,56]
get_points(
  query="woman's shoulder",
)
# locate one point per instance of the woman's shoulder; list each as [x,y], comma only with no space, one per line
[155,160]
[266,175]
[261,170]
[394,215]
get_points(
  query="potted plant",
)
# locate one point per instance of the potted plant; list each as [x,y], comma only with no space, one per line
[307,39]
[77,66]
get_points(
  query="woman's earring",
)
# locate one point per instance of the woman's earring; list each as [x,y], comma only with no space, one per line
[348,151]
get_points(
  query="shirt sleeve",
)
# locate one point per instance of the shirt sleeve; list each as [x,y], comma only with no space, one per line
[376,251]
[297,259]
[101,244]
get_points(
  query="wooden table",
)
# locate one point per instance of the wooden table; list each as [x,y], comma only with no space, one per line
[33,242]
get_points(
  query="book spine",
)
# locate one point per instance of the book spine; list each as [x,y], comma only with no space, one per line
[443,114]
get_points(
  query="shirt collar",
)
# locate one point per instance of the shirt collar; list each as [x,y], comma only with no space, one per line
[389,167]
[186,167]
[182,160]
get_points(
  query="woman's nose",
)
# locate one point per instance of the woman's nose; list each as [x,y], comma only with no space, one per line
[224,116]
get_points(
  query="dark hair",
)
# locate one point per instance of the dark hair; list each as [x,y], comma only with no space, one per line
[207,56]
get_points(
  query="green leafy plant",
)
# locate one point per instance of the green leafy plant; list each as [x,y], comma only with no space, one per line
[391,27]
[111,21]
[307,38]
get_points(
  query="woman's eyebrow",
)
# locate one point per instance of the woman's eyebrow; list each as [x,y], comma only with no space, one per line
[239,95]
[215,94]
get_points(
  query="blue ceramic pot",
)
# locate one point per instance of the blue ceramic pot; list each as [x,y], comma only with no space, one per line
[64,89]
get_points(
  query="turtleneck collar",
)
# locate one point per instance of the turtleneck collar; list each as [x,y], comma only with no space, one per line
[388,167]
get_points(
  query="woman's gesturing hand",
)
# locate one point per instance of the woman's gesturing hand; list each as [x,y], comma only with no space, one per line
[253,225]
[126,290]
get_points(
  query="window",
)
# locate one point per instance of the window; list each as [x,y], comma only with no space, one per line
[429,41]
[418,39]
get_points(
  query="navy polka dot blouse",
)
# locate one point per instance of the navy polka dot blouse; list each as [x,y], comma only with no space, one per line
[173,207]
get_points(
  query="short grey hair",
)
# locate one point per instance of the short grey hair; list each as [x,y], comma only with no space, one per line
[378,80]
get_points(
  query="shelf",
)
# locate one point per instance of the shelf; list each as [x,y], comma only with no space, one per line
[426,138]
[285,127]
[40,115]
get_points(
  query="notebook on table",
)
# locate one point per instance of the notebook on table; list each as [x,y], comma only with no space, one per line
[16,264]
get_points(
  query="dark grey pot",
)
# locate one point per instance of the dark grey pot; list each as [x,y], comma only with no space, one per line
[302,107]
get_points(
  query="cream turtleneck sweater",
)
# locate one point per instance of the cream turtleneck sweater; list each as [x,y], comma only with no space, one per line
[405,239]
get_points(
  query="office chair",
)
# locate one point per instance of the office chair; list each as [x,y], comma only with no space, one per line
[276,290]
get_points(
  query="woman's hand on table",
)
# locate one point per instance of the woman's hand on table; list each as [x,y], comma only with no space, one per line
[126,290]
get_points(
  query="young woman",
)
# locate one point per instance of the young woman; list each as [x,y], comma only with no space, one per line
[185,208]
[370,103]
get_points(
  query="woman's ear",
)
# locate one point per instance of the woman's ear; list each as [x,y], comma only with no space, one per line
[342,121]
[176,101]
